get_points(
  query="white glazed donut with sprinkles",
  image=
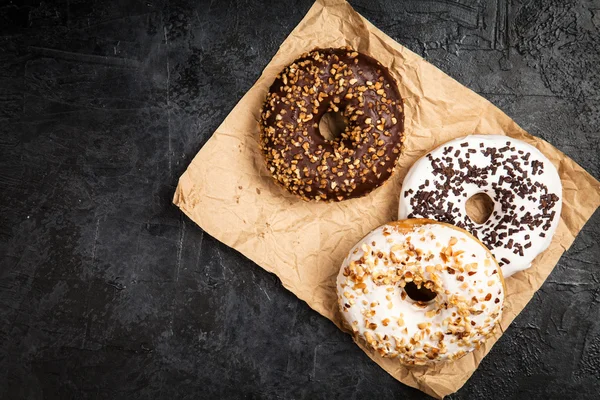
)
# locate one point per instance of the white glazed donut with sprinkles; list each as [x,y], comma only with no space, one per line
[523,184]
[420,291]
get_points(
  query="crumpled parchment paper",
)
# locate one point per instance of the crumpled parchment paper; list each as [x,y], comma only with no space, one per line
[229,193]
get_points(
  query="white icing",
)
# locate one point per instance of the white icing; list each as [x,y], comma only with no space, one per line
[421,175]
[430,240]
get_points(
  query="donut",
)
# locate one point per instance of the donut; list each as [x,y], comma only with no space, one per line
[364,156]
[519,179]
[420,291]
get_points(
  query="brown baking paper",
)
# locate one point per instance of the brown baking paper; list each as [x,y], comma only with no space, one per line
[228,191]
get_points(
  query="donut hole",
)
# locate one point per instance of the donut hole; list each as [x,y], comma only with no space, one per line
[332,125]
[421,294]
[479,207]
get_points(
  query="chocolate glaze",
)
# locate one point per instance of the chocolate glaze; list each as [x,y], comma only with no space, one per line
[363,158]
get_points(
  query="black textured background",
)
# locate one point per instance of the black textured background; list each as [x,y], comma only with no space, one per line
[108,292]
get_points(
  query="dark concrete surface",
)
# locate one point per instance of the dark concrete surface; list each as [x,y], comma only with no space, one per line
[108,292]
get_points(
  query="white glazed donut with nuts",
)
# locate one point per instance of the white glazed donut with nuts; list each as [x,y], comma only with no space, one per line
[420,258]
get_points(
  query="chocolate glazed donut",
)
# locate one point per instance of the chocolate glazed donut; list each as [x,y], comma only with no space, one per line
[363,158]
